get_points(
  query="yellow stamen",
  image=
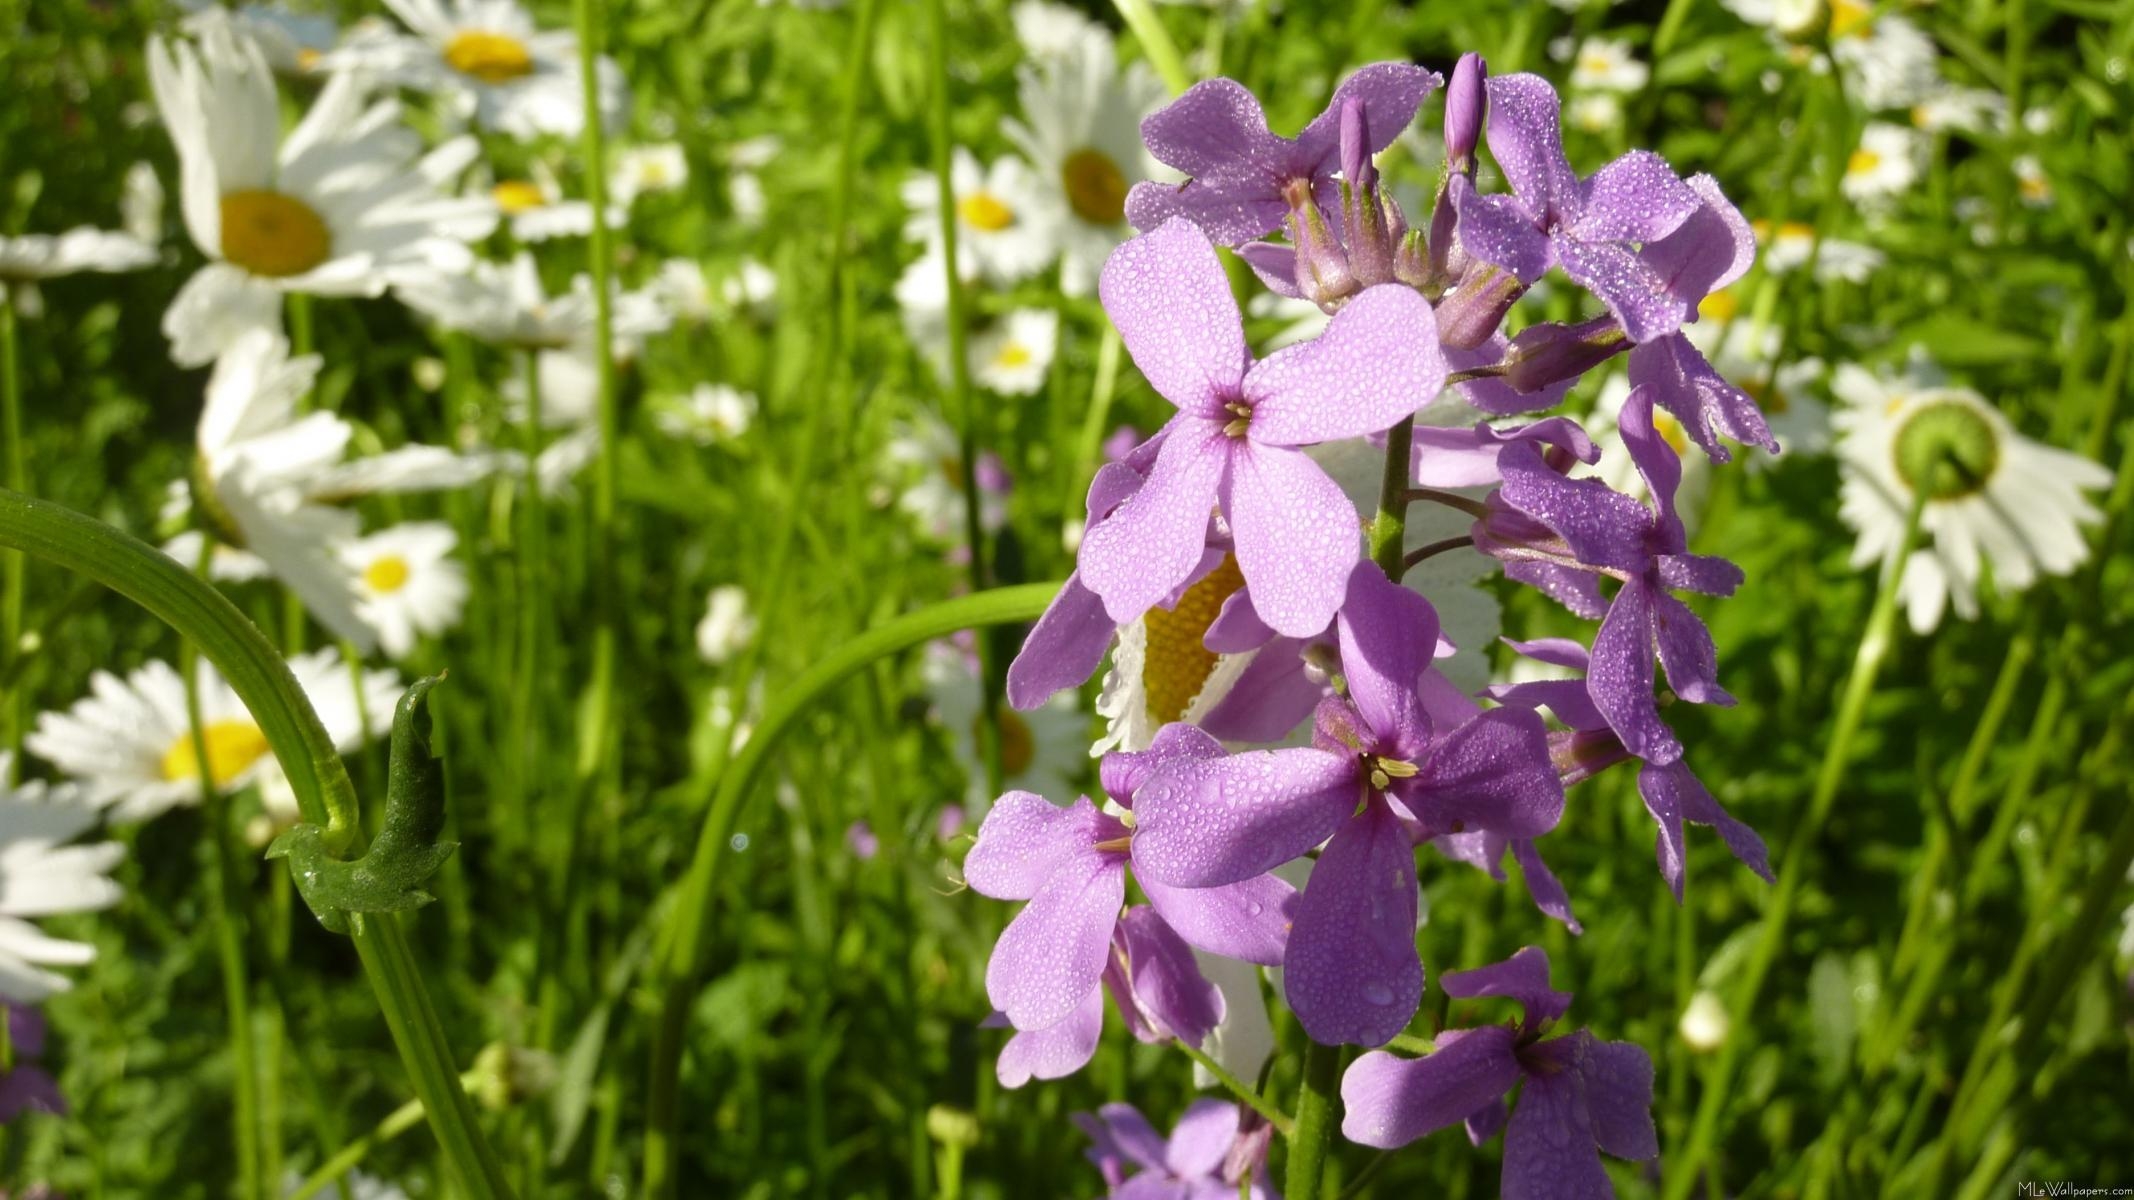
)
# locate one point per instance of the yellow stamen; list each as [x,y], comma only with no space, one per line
[1862,162]
[386,575]
[271,234]
[232,746]
[515,196]
[985,211]
[1176,665]
[490,57]
[1096,188]
[1014,354]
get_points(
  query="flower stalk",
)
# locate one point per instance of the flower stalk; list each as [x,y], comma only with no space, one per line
[13,572]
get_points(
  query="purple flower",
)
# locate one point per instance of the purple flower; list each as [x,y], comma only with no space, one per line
[28,1087]
[1672,792]
[1197,1162]
[1592,228]
[1235,440]
[1070,864]
[1581,1095]
[1244,179]
[862,841]
[1588,529]
[1378,779]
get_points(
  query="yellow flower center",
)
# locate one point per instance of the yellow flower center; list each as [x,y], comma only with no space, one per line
[1018,747]
[985,211]
[386,575]
[307,59]
[1670,431]
[2034,187]
[1796,231]
[1862,162]
[518,195]
[1175,665]
[271,234]
[232,746]
[493,58]
[1849,18]
[1595,63]
[1096,190]
[1014,354]
[1720,305]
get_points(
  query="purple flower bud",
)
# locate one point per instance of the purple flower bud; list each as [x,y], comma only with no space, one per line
[1550,353]
[1466,103]
[992,474]
[1323,272]
[1356,168]
[1467,317]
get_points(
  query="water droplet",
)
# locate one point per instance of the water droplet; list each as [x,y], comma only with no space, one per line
[1254,908]
[739,842]
[1378,993]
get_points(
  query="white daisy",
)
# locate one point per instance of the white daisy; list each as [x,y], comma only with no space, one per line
[1961,109]
[1014,355]
[727,625]
[41,876]
[1994,497]
[922,307]
[1787,245]
[1888,62]
[1791,18]
[2030,181]
[1042,751]
[999,236]
[1607,65]
[1885,164]
[1160,671]
[130,746]
[489,62]
[538,211]
[1049,30]
[682,289]
[744,186]
[506,304]
[714,412]
[344,205]
[646,170]
[1741,350]
[1081,131]
[33,256]
[1594,112]
[411,585]
[928,454]
[295,44]
[752,290]
[141,204]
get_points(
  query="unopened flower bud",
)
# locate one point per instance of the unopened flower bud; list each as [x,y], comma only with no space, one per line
[1467,317]
[1465,106]
[1323,273]
[1356,168]
[1550,353]
[1704,1023]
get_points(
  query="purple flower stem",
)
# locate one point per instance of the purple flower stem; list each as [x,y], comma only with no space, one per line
[1687,1166]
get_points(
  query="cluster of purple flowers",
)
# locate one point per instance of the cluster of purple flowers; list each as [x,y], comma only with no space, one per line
[1397,756]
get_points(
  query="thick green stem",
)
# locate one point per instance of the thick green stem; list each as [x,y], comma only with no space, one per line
[12,565]
[682,940]
[324,795]
[1316,1119]
[1685,1168]
[1156,43]
[1389,529]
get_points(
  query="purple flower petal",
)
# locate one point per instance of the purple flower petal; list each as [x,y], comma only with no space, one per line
[1064,647]
[1168,993]
[1271,697]
[1202,1138]
[1657,463]
[1122,1133]
[1548,1150]
[1389,1101]
[1576,590]
[1390,92]
[1026,839]
[1523,977]
[1208,823]
[1053,953]
[1492,773]
[1710,250]
[1601,525]
[1618,1078]
[1527,141]
[1297,536]
[1708,407]
[1673,794]
[1387,634]
[29,1088]
[1237,628]
[1699,573]
[1502,231]
[1248,920]
[1054,1052]
[1542,885]
[1566,698]
[1152,543]
[1170,300]
[1227,213]
[1377,362]
[1633,291]
[1123,772]
[1636,198]
[1687,652]
[1621,677]
[1208,128]
[1352,973]
[1557,652]
[1275,264]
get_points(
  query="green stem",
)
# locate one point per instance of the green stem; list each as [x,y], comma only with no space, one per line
[1156,43]
[1686,1168]
[1239,1088]
[1314,1131]
[12,565]
[1389,528]
[348,1157]
[682,940]
[261,679]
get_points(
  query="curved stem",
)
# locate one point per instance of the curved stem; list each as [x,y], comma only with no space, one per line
[1315,1122]
[1687,1168]
[261,679]
[681,944]
[1473,508]
[1431,550]
[1239,1088]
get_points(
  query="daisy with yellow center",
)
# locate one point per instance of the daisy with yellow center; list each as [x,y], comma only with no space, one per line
[129,745]
[1014,356]
[410,584]
[1607,65]
[1884,165]
[45,876]
[1994,498]
[344,205]
[1038,749]
[487,60]
[998,238]
[1081,132]
[1786,247]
